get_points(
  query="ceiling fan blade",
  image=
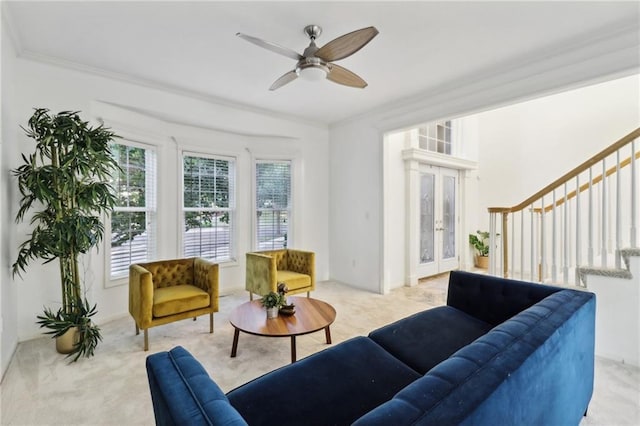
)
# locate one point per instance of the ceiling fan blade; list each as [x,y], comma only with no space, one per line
[346,45]
[341,75]
[286,78]
[272,46]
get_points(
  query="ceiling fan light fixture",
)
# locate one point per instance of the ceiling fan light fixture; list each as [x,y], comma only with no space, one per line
[315,73]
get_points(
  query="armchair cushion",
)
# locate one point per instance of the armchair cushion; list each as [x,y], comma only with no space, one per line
[294,280]
[178,298]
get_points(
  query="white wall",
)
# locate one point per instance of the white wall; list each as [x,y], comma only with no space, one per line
[164,119]
[357,215]
[618,315]
[9,128]
[526,146]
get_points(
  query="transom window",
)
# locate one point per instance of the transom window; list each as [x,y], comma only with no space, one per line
[436,137]
[133,220]
[208,206]
[273,204]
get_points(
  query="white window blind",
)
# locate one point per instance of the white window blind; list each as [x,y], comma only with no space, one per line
[133,220]
[273,204]
[208,206]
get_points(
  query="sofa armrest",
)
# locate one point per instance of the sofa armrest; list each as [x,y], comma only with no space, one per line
[206,277]
[302,262]
[182,392]
[261,276]
[493,299]
[141,295]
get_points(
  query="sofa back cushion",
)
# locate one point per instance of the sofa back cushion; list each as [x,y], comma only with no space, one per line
[536,368]
[183,393]
[493,299]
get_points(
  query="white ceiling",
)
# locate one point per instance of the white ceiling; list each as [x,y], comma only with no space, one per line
[191,46]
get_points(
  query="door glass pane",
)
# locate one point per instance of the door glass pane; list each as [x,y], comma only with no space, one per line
[427,201]
[448,217]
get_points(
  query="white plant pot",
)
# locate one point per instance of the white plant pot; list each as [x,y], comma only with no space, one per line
[272,312]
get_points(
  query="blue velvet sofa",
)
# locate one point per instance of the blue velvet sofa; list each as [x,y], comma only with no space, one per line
[501,352]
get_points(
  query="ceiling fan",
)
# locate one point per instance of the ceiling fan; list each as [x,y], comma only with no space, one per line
[317,62]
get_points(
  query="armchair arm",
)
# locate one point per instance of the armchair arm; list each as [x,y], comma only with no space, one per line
[141,295]
[261,273]
[206,277]
[303,262]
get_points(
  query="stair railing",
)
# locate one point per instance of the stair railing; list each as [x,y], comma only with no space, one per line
[577,220]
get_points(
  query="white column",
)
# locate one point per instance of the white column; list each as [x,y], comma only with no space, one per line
[412,188]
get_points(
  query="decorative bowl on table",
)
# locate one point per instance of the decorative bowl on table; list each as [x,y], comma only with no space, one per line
[288,309]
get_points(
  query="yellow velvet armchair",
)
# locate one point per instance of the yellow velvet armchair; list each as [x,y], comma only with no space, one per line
[265,269]
[170,290]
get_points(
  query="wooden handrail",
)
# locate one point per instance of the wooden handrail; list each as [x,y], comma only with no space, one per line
[572,174]
[585,186]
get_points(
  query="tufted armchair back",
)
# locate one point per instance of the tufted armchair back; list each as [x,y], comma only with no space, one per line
[292,260]
[167,273]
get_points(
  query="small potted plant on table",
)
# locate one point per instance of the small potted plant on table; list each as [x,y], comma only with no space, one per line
[273,301]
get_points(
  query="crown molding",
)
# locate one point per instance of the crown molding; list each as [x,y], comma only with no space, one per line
[613,52]
[14,36]
[164,87]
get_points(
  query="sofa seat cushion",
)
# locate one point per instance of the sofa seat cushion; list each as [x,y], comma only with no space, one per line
[427,338]
[335,386]
[178,298]
[294,280]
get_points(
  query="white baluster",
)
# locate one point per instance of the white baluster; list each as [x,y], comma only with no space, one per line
[603,242]
[513,244]
[618,212]
[543,239]
[492,240]
[634,207]
[554,239]
[532,237]
[578,231]
[590,220]
[522,244]
[565,237]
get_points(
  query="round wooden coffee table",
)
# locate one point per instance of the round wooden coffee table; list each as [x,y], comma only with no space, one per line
[311,315]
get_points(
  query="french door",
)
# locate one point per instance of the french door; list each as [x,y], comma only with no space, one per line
[439,213]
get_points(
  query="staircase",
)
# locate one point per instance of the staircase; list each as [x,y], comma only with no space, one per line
[582,230]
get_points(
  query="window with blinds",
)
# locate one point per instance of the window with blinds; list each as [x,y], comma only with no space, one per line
[273,204]
[208,206]
[133,220]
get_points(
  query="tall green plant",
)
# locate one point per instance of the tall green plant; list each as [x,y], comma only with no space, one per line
[66,182]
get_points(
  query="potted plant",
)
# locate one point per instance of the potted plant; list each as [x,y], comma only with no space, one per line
[272,302]
[66,182]
[480,242]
